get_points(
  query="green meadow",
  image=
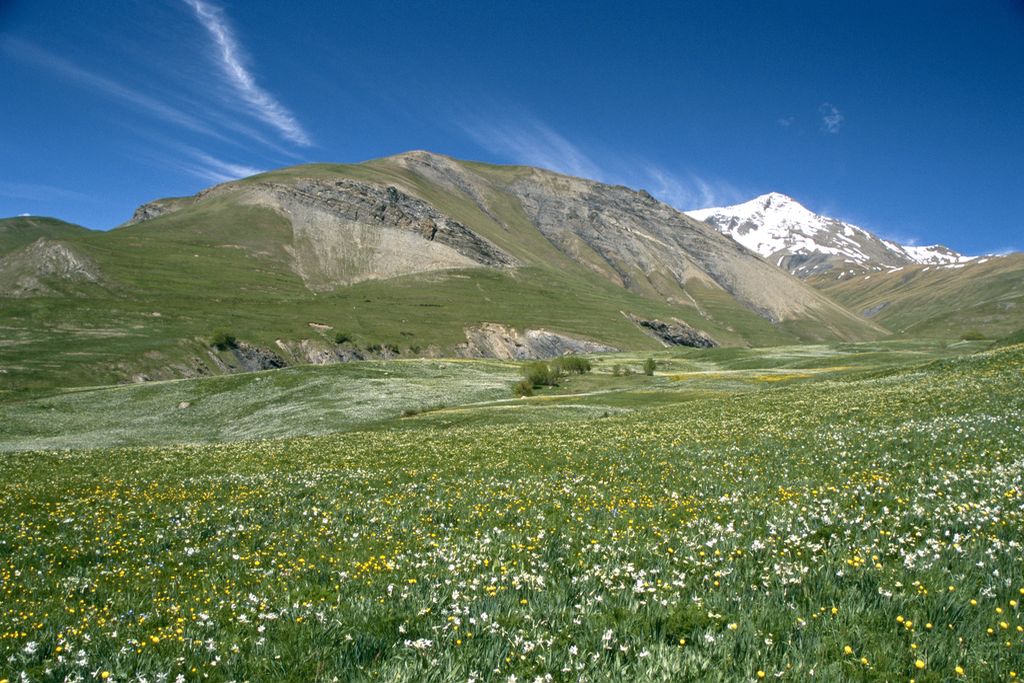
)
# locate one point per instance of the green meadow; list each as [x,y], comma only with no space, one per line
[834,513]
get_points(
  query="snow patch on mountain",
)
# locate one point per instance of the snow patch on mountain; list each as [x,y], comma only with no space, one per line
[791,236]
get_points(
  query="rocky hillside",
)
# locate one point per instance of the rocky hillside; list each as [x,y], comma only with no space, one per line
[789,235]
[45,267]
[412,255]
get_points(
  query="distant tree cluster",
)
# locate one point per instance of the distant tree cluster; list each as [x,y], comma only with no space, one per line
[541,374]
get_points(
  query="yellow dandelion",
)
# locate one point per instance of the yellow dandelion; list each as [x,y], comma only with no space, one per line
[919,664]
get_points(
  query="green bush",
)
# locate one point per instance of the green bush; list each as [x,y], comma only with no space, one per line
[223,340]
[523,387]
[341,338]
[649,366]
[572,365]
[541,374]
[616,370]
[972,335]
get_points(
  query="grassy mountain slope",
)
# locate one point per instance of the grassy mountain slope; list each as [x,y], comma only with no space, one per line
[305,252]
[22,231]
[984,296]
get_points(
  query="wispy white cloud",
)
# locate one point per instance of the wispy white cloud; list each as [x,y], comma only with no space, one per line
[533,143]
[688,191]
[222,171]
[785,121]
[27,51]
[526,140]
[40,193]
[831,118]
[230,60]
[210,168]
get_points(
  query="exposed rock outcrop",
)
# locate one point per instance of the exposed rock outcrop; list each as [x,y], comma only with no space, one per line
[41,267]
[308,351]
[159,207]
[251,358]
[492,340]
[675,333]
[347,231]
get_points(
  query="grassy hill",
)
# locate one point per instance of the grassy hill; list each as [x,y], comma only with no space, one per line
[21,231]
[984,297]
[301,254]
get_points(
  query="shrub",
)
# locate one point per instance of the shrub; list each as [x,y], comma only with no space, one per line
[523,387]
[616,370]
[341,338]
[572,365]
[393,348]
[649,366]
[972,335]
[223,340]
[374,348]
[540,374]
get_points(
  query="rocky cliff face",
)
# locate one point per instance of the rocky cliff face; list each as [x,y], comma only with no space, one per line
[492,340]
[160,207]
[346,231]
[674,333]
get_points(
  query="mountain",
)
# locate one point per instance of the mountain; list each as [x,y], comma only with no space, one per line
[982,297]
[805,243]
[417,254]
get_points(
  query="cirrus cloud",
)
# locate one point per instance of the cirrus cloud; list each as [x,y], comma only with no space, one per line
[229,54]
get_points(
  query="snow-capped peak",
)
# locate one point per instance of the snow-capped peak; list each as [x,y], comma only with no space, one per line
[789,234]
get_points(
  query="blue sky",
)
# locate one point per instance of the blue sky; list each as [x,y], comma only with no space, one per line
[904,117]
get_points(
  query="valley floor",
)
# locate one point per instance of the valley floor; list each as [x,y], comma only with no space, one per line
[842,513]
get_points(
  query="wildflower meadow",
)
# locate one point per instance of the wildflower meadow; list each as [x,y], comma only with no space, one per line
[868,528]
